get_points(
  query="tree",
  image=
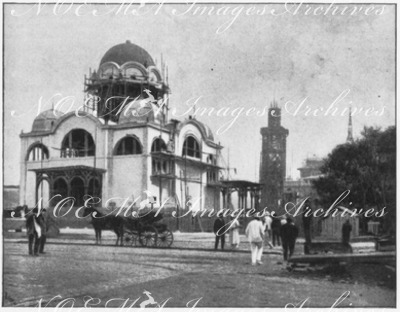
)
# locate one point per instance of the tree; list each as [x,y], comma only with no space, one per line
[367,168]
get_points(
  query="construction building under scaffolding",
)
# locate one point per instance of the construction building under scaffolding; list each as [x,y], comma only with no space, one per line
[122,148]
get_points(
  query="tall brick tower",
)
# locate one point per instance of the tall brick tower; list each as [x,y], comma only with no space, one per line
[273,160]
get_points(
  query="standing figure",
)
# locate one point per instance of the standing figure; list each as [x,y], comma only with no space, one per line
[307,221]
[255,235]
[219,231]
[42,221]
[289,232]
[276,231]
[33,231]
[234,233]
[346,229]
[267,221]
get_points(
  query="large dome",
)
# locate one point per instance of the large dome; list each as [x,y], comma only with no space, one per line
[127,52]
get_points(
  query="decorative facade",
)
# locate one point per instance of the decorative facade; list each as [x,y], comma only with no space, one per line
[122,147]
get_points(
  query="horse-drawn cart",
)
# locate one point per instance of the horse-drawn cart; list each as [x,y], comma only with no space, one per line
[147,231]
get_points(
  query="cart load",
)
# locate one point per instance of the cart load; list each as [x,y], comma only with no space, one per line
[146,230]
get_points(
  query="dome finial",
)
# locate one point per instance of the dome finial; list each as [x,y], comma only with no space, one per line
[128,42]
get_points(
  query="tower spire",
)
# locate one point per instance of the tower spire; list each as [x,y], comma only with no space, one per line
[350,129]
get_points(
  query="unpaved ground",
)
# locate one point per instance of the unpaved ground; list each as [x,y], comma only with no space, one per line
[220,279]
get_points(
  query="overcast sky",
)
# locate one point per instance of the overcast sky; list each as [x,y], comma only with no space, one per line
[293,58]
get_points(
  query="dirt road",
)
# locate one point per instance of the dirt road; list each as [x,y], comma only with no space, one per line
[220,279]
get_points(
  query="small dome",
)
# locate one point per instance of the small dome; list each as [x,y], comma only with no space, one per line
[127,52]
[137,113]
[208,132]
[45,120]
[204,129]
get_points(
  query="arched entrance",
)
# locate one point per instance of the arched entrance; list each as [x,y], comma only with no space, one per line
[60,190]
[78,190]
[72,181]
[94,189]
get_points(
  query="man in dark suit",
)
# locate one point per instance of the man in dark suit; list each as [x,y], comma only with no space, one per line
[276,230]
[346,229]
[219,229]
[31,231]
[289,233]
[307,223]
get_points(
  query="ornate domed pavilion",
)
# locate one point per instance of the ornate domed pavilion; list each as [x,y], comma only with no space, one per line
[125,148]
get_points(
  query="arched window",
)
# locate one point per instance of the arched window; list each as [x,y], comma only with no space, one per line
[158,146]
[128,146]
[78,143]
[38,152]
[191,147]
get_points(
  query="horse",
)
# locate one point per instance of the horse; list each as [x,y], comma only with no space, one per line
[109,222]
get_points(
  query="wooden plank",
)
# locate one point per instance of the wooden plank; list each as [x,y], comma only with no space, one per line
[322,247]
[365,257]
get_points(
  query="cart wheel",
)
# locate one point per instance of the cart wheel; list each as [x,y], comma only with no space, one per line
[165,239]
[148,236]
[131,239]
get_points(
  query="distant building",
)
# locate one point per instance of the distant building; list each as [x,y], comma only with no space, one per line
[125,148]
[311,168]
[273,159]
[296,190]
[10,197]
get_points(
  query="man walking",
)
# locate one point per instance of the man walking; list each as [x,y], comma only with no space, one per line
[255,235]
[267,221]
[219,231]
[289,232]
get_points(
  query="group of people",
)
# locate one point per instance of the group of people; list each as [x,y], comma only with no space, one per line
[36,228]
[258,232]
[220,229]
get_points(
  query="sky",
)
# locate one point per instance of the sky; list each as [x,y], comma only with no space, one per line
[237,58]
